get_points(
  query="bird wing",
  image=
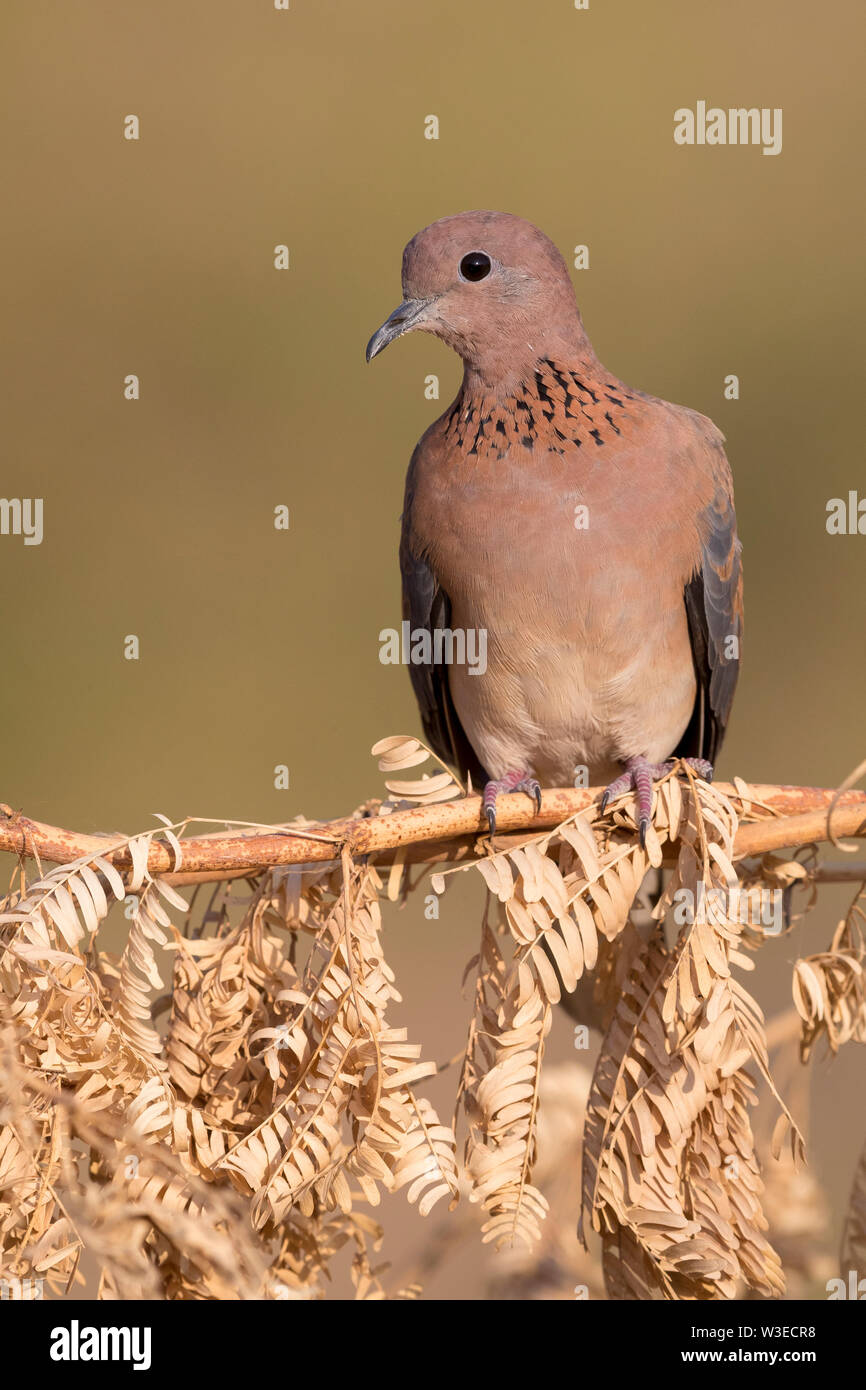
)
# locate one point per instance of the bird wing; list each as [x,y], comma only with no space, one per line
[714,606]
[427,606]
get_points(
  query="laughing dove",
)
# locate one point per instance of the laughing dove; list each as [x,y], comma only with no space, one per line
[586,528]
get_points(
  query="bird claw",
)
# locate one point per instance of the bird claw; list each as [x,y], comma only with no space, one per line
[511,782]
[703,768]
[638,777]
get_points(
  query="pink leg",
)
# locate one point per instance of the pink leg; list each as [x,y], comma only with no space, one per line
[639,776]
[511,782]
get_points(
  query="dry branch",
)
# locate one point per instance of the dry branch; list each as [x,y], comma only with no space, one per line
[788,817]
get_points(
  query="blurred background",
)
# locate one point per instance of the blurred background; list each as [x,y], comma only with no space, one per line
[155,257]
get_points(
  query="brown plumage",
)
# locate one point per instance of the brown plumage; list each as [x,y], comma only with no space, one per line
[587,527]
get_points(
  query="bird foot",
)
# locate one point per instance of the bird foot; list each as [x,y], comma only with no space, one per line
[511,782]
[639,776]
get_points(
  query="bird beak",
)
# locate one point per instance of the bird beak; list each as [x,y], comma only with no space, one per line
[405,317]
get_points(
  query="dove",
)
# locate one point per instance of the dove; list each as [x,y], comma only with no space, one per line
[585,528]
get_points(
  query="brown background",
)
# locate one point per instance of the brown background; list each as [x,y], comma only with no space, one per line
[156,258]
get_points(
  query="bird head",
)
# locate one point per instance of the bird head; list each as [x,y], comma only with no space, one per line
[491,286]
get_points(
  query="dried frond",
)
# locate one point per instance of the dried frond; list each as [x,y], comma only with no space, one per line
[287,1084]
[830,988]
[223,1140]
[670,1178]
[500,1088]
[400,752]
[670,1175]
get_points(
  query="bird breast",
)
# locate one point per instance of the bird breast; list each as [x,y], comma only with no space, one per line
[588,658]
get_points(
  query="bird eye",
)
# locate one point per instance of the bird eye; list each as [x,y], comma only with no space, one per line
[475,266]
